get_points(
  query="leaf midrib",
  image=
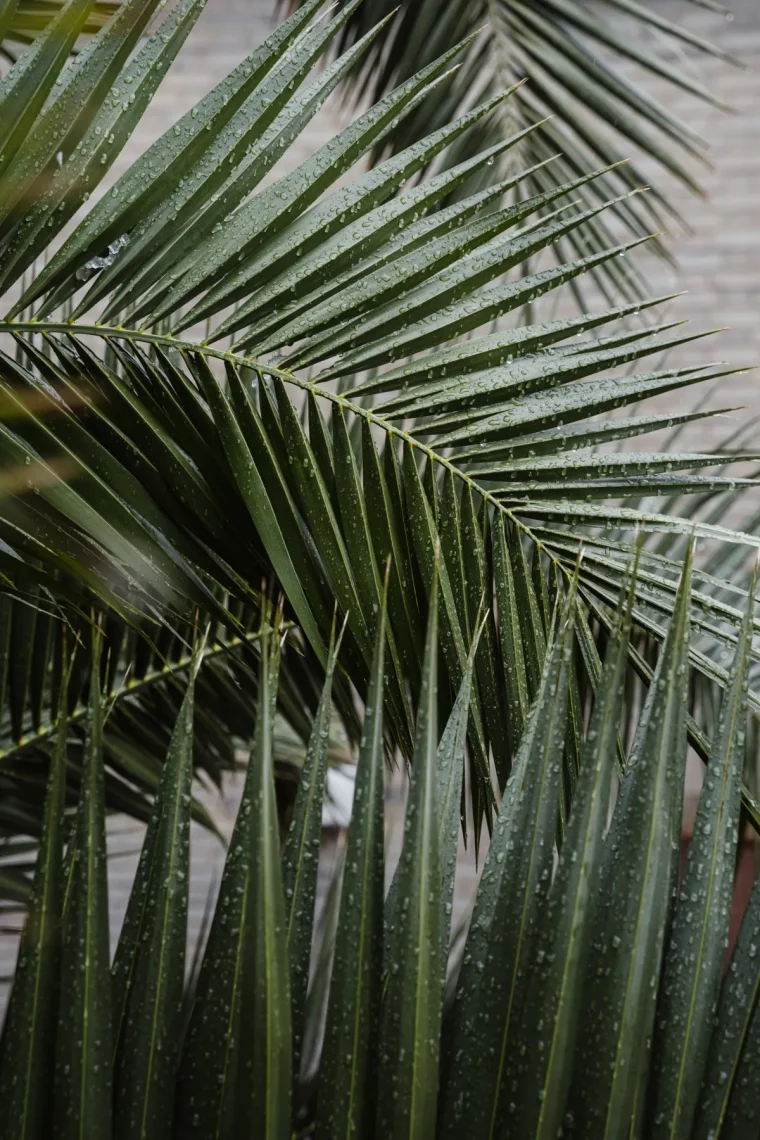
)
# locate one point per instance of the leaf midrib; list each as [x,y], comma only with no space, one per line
[104,332]
[130,688]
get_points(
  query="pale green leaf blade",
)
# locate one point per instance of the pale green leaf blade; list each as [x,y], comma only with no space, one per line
[24,89]
[554,1007]
[235,162]
[699,934]
[261,508]
[63,120]
[164,163]
[234,1075]
[510,637]
[327,234]
[265,1057]
[412,1002]
[501,942]
[84,1038]
[729,1101]
[450,765]
[493,350]
[151,1017]
[423,529]
[300,856]
[111,126]
[266,214]
[634,900]
[388,539]
[350,1052]
[28,1040]
[355,526]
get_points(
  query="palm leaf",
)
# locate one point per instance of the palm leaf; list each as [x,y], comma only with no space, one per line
[488,1007]
[28,1039]
[149,965]
[349,1096]
[22,22]
[683,1034]
[413,998]
[556,993]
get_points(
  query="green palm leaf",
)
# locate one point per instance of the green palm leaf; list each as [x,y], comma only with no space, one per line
[28,1041]
[556,993]
[350,1053]
[413,998]
[149,965]
[548,945]
[694,959]
[300,858]
[728,1100]
[489,1005]
[631,917]
[240,1022]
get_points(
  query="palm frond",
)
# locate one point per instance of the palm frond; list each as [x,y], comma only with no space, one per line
[345,401]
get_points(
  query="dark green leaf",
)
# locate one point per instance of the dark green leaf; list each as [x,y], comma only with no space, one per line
[349,1077]
[84,1047]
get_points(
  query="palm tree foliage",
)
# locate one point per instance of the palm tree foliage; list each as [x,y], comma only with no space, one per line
[589,995]
[216,386]
[587,68]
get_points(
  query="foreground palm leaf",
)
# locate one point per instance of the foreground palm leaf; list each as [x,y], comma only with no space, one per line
[345,401]
[235,1065]
[83,1040]
[147,986]
[230,1073]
